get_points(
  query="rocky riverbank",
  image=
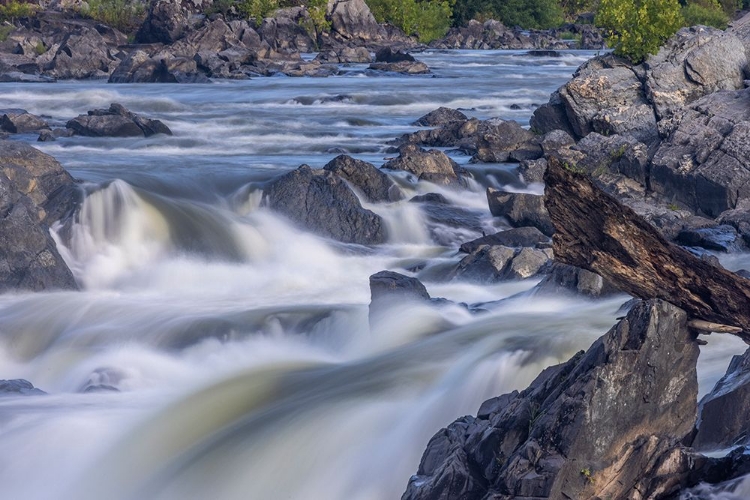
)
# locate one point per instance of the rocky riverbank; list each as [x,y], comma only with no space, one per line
[188,42]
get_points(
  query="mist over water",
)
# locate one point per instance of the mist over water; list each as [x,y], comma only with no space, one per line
[216,351]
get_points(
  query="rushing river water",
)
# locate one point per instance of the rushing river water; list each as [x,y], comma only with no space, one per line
[245,364]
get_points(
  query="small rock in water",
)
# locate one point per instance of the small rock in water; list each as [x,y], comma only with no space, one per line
[116,122]
[19,387]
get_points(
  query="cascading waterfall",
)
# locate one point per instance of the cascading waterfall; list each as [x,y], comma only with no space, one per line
[217,351]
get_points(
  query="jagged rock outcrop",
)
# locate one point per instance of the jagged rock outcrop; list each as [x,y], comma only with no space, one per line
[370,181]
[501,140]
[493,263]
[321,202]
[20,121]
[83,53]
[520,209]
[595,426]
[34,192]
[140,67]
[169,20]
[116,122]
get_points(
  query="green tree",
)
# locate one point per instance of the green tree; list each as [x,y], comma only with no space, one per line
[427,19]
[533,14]
[637,28]
[706,12]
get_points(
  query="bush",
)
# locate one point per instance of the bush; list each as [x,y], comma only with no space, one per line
[14,10]
[427,19]
[532,14]
[706,12]
[637,28]
[124,15]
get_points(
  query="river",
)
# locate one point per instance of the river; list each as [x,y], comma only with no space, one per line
[216,351]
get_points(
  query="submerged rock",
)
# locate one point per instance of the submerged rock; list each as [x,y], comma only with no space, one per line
[20,121]
[594,426]
[321,202]
[116,122]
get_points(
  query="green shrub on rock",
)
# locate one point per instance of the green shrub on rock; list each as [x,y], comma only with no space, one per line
[705,12]
[637,28]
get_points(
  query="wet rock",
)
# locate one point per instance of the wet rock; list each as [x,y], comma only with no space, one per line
[693,63]
[719,238]
[564,279]
[53,135]
[431,165]
[456,134]
[594,426]
[388,55]
[739,218]
[521,209]
[19,121]
[345,55]
[514,237]
[723,412]
[435,198]
[405,67]
[19,387]
[543,53]
[373,183]
[501,140]
[441,116]
[116,122]
[391,285]
[139,67]
[492,263]
[321,202]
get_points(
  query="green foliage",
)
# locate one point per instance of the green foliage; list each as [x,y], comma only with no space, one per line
[39,48]
[317,10]
[5,30]
[124,15]
[257,9]
[14,10]
[706,12]
[427,19]
[532,14]
[637,28]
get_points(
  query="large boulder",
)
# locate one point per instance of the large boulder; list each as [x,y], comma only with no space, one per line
[377,186]
[390,285]
[321,202]
[50,188]
[488,264]
[514,237]
[705,162]
[501,140]
[19,121]
[441,116]
[116,122]
[693,63]
[353,20]
[432,165]
[595,426]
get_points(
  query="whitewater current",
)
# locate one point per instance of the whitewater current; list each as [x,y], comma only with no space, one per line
[217,351]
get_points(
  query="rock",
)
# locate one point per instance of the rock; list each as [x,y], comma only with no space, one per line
[486,264]
[19,387]
[705,162]
[83,53]
[693,63]
[564,279]
[551,116]
[739,218]
[554,141]
[721,238]
[515,237]
[405,67]
[457,134]
[51,190]
[322,203]
[501,140]
[116,122]
[440,116]
[29,259]
[532,170]
[374,184]
[435,198]
[391,285]
[594,426]
[529,262]
[139,67]
[723,412]
[284,34]
[543,53]
[388,55]
[521,209]
[21,122]
[353,20]
[432,165]
[345,55]
[169,20]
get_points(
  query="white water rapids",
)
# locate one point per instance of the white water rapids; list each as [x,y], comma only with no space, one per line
[215,350]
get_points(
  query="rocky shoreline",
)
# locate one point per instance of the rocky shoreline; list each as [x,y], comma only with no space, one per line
[183,42]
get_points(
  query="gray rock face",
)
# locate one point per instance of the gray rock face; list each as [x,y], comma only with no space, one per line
[284,34]
[116,122]
[493,263]
[500,140]
[428,165]
[595,426]
[140,67]
[321,202]
[564,279]
[373,183]
[695,62]
[723,418]
[29,259]
[705,162]
[521,209]
[405,67]
[352,19]
[83,53]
